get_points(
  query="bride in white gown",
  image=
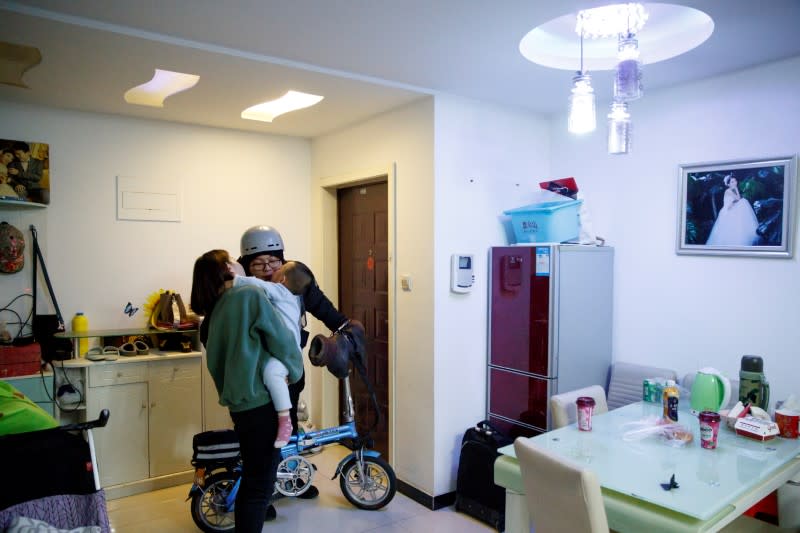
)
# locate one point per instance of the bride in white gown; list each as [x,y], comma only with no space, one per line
[736,222]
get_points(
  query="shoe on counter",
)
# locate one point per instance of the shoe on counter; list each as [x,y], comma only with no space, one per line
[310,494]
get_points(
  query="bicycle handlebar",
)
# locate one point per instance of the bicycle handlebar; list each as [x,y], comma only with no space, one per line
[101,421]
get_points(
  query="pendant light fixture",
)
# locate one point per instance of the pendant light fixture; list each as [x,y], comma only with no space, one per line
[628,73]
[614,33]
[619,129]
[581,102]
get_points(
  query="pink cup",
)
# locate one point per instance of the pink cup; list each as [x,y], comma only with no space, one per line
[788,421]
[709,429]
[585,406]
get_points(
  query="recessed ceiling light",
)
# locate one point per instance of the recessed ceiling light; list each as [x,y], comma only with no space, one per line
[671,30]
[291,101]
[15,60]
[164,83]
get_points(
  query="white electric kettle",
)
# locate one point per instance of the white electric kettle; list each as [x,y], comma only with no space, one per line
[711,391]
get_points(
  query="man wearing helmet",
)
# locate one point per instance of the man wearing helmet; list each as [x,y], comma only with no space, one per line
[262,255]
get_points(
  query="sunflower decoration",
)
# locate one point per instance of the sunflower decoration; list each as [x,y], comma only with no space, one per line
[151,301]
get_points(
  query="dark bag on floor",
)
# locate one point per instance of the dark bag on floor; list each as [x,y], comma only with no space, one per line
[476,493]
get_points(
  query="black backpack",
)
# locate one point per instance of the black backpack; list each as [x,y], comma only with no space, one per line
[476,493]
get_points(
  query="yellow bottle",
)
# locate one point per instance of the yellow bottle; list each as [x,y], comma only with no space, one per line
[80,324]
[670,399]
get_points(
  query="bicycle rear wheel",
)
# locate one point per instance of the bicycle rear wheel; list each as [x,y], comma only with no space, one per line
[209,508]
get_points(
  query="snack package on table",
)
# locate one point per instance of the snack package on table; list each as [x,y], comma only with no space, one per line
[674,433]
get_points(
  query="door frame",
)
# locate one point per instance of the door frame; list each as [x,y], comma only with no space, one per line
[328,278]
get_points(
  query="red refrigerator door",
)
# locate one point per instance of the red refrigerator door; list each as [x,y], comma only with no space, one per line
[514,396]
[520,310]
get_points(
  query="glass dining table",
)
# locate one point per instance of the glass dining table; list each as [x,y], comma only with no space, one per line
[715,485]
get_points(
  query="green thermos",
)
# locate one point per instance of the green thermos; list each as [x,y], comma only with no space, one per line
[753,385]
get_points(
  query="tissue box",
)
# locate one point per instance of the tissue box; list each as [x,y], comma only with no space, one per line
[546,222]
[755,428]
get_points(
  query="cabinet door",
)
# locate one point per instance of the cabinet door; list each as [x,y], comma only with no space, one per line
[215,416]
[175,414]
[121,446]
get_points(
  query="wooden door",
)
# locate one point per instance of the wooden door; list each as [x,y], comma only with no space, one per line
[364,295]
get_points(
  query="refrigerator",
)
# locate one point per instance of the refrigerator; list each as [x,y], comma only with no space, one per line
[550,316]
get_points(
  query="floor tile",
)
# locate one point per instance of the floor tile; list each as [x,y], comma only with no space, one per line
[166,511]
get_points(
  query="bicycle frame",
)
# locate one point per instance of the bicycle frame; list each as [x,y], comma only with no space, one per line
[302,442]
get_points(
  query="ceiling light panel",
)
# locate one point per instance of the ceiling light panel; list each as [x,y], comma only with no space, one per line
[164,84]
[291,101]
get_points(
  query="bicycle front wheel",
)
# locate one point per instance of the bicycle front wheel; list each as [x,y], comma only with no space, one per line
[369,484]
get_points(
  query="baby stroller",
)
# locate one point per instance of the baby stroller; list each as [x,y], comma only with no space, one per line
[53,479]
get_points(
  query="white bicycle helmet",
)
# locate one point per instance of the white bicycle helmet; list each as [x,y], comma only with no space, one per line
[261,239]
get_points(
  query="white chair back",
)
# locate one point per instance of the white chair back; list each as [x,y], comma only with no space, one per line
[561,494]
[625,384]
[563,411]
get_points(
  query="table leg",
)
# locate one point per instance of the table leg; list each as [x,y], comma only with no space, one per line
[517,518]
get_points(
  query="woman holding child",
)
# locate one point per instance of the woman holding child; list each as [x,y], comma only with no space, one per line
[241,331]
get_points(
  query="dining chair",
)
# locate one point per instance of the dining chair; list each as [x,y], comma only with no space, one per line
[625,383]
[561,494]
[563,411]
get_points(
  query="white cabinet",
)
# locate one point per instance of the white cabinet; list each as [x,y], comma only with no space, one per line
[215,416]
[175,413]
[155,403]
[121,446]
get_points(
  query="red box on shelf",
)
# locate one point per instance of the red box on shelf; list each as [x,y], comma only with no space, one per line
[20,360]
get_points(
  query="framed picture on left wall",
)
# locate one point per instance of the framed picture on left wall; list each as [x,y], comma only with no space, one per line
[25,171]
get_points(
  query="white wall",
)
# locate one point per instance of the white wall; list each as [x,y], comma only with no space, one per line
[488,159]
[231,181]
[403,136]
[686,312]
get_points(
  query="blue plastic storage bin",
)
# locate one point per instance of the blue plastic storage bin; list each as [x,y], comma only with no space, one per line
[546,222]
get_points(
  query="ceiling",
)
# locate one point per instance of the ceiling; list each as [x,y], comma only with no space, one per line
[364,56]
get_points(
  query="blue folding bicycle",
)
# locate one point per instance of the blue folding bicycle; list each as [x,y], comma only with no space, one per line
[367,480]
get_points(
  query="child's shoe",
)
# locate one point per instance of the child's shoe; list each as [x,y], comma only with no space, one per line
[284,431]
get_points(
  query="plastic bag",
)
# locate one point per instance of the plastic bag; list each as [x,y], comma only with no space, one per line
[675,434]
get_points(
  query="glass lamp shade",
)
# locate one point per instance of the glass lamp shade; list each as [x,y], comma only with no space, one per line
[581,105]
[619,129]
[628,76]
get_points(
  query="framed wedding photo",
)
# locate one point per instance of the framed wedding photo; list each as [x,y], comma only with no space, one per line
[743,208]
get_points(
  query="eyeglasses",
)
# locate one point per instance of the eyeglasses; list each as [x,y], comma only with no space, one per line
[262,265]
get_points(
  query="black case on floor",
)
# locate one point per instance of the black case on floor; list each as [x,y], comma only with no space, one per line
[476,493]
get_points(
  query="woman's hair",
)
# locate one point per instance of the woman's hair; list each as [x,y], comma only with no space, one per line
[727,180]
[209,275]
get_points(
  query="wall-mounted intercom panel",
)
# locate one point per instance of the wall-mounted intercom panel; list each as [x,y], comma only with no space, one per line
[462,273]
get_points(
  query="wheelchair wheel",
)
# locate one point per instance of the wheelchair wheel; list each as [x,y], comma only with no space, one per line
[209,509]
[372,490]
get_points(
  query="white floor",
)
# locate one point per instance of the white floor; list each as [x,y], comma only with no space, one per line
[167,511]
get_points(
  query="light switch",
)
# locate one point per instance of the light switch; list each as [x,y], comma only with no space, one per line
[405,282]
